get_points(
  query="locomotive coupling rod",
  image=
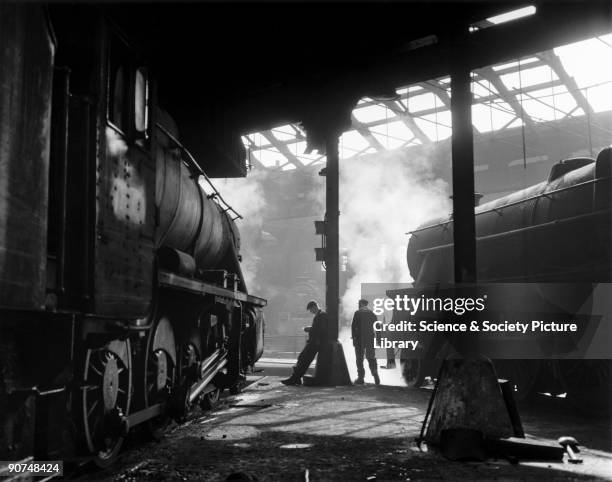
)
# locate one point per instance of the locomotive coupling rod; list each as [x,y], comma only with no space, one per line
[570,444]
[201,385]
[211,359]
[137,418]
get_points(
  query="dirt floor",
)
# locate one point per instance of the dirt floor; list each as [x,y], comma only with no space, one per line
[274,432]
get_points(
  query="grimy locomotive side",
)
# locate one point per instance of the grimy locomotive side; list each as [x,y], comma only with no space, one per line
[556,231]
[122,301]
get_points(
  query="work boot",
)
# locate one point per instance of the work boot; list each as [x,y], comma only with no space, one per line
[292,380]
[376,378]
[388,366]
[358,381]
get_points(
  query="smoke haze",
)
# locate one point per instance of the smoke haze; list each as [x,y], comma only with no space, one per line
[381,199]
[247,197]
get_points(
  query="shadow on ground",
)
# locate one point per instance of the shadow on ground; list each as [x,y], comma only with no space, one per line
[273,432]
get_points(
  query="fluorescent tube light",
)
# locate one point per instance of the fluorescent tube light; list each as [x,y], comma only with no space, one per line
[512,15]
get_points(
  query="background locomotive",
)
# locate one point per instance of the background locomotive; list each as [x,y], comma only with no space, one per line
[122,300]
[557,231]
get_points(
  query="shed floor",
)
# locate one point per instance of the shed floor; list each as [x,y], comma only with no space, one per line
[273,432]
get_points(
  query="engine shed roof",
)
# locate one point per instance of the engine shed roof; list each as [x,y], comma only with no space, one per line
[250,54]
[251,66]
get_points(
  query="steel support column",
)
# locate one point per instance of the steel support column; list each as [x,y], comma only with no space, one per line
[463,173]
[331,366]
[332,255]
[323,130]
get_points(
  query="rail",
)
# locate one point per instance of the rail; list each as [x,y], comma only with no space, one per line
[192,163]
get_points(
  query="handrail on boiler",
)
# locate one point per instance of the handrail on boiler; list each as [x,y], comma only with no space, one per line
[514,203]
[194,165]
[534,227]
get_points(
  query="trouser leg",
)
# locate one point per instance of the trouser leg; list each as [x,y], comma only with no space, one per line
[305,359]
[390,356]
[359,361]
[373,367]
[370,355]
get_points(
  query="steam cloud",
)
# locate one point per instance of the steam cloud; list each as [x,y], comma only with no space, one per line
[247,197]
[381,199]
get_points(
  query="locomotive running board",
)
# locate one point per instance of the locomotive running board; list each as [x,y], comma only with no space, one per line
[195,286]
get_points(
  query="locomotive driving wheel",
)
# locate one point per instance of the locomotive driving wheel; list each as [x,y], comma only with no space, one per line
[412,371]
[522,374]
[160,374]
[209,400]
[189,374]
[416,369]
[587,383]
[105,399]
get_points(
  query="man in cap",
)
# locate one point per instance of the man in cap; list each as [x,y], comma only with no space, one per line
[317,335]
[362,330]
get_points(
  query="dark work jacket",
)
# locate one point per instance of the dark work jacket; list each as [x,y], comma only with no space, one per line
[362,328]
[320,326]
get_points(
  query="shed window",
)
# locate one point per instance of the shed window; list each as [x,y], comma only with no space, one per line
[117,92]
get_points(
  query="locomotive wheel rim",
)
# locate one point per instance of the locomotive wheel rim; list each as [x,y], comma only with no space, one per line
[157,385]
[101,367]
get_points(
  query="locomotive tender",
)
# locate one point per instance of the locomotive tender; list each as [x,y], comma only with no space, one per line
[122,301]
[557,231]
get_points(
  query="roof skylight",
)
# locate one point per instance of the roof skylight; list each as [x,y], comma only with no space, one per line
[547,86]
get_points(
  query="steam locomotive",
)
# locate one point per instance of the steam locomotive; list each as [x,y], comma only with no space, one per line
[122,301]
[557,231]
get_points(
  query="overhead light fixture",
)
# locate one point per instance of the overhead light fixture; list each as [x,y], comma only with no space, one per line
[512,15]
[503,18]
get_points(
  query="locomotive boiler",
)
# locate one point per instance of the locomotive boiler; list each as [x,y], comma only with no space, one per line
[557,231]
[122,300]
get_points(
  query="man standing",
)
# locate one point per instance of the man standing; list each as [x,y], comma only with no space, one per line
[317,335]
[362,330]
